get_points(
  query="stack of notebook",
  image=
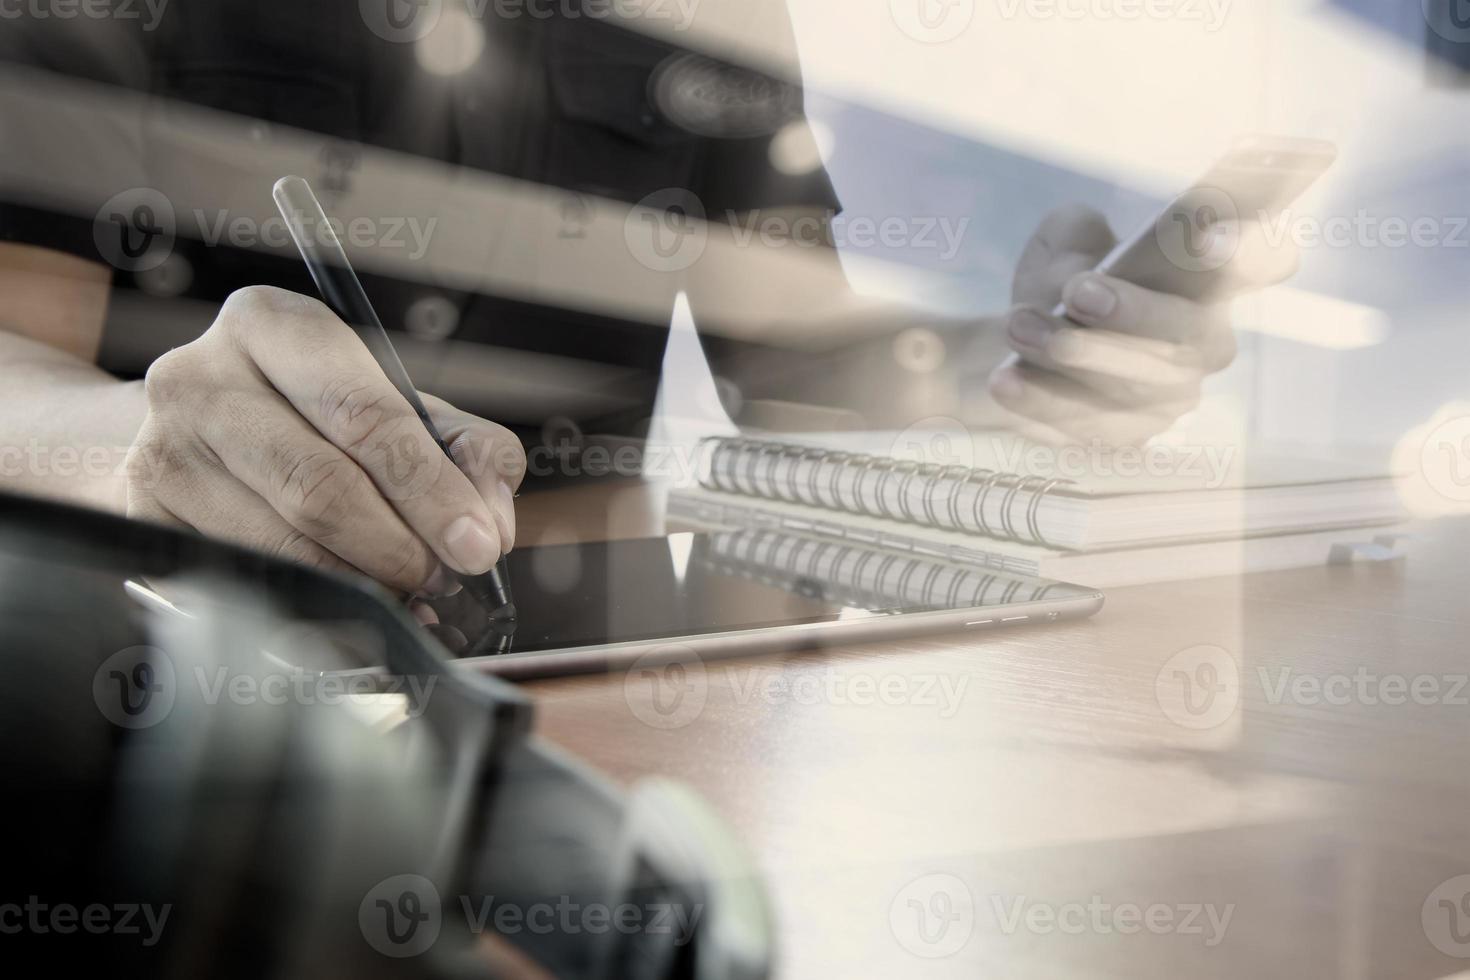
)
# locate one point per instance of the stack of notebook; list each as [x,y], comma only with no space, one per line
[1110,521]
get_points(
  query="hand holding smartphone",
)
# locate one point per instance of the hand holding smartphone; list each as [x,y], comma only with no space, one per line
[1126,355]
[1187,249]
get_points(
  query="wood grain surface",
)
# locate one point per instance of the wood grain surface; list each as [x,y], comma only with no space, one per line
[1263,776]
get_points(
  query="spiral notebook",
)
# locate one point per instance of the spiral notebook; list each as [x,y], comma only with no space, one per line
[698,509]
[1014,492]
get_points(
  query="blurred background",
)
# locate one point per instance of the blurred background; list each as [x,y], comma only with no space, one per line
[943,130]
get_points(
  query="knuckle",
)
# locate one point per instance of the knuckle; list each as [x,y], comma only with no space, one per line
[152,460]
[1076,228]
[252,308]
[139,465]
[356,410]
[251,301]
[171,376]
[295,546]
[409,567]
[315,491]
[487,449]
[298,548]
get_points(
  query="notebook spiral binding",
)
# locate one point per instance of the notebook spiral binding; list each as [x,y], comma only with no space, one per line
[751,467]
[845,572]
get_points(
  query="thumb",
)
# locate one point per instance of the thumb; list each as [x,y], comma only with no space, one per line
[1071,239]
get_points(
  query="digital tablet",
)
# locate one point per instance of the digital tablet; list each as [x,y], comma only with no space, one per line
[609,605]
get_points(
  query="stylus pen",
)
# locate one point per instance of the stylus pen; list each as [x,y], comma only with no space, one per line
[343,292]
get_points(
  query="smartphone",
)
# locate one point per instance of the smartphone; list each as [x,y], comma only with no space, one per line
[1187,249]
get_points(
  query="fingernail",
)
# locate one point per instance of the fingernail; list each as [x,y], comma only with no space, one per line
[1091,299]
[1030,330]
[424,614]
[505,515]
[1006,386]
[441,584]
[471,546]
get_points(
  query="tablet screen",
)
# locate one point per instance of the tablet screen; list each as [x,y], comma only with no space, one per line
[695,584]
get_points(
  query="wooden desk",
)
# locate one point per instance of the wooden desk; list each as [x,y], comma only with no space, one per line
[1017,821]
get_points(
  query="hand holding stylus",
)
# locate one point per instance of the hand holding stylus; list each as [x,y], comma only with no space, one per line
[277,429]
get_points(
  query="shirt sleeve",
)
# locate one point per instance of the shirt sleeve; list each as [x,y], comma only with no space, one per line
[759,151]
[66,148]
